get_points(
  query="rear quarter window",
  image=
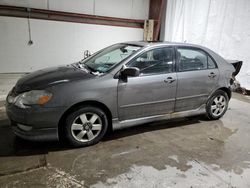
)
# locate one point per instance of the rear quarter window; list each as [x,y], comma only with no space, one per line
[190,59]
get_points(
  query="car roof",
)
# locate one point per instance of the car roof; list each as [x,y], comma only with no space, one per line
[145,43]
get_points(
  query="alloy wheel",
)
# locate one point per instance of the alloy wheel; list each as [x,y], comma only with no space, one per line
[218,105]
[86,127]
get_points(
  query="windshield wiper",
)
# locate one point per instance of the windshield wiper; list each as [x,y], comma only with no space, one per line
[90,69]
[81,66]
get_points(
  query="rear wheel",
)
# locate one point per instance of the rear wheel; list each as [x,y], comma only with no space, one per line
[85,126]
[217,105]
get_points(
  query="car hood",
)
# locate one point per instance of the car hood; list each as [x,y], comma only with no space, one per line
[50,76]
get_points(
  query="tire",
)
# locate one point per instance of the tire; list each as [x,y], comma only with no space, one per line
[217,105]
[85,126]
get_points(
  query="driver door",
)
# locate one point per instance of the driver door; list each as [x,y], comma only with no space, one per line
[153,91]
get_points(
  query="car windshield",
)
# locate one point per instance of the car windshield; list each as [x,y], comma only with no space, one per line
[109,57]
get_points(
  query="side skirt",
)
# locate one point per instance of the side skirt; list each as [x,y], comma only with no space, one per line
[138,121]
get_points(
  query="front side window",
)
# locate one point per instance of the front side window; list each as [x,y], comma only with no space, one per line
[154,61]
[109,57]
[192,59]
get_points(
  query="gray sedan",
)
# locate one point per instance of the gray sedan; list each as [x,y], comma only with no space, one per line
[122,85]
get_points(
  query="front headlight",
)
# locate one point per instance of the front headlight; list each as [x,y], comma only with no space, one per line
[34,97]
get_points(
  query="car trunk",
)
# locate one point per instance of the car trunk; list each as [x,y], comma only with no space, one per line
[237,65]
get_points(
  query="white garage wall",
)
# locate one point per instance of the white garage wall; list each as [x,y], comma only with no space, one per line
[132,9]
[223,26]
[41,4]
[55,42]
[62,42]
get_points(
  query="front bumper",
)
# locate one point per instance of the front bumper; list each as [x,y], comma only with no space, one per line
[35,123]
[35,134]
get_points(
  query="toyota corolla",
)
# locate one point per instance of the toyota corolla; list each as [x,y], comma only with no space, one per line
[122,85]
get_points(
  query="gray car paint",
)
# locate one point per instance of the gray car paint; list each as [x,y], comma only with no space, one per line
[132,102]
[50,76]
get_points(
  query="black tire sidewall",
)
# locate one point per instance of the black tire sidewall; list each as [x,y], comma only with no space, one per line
[71,117]
[210,101]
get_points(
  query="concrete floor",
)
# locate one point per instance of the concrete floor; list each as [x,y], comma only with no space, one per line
[189,152]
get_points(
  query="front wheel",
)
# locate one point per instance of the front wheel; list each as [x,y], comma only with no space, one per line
[217,105]
[85,126]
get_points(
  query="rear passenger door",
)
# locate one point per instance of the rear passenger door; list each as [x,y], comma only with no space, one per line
[197,76]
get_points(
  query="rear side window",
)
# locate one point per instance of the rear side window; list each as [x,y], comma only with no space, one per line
[154,61]
[211,64]
[192,59]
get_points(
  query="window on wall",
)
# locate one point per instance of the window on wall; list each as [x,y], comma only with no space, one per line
[192,59]
[154,61]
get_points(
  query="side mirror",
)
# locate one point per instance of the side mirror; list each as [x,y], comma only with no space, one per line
[130,71]
[87,53]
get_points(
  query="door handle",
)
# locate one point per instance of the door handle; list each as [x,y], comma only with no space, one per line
[169,80]
[212,75]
